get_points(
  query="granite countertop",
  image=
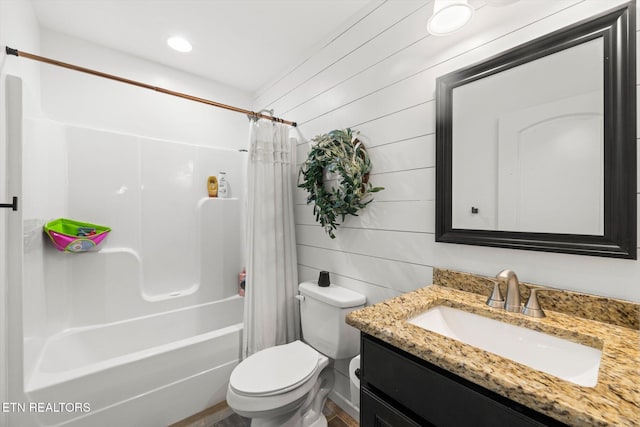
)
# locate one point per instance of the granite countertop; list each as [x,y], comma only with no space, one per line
[614,401]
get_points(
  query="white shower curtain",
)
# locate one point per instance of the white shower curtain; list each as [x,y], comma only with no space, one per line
[271,312]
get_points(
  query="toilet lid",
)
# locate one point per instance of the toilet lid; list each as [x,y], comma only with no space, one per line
[275,370]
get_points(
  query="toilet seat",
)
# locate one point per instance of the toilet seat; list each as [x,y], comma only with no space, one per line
[275,370]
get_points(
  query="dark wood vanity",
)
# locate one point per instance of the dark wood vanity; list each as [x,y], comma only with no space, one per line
[399,389]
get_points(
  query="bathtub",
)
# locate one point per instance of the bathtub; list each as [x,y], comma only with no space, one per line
[148,371]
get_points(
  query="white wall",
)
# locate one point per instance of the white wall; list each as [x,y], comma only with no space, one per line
[379,78]
[76,98]
[18,29]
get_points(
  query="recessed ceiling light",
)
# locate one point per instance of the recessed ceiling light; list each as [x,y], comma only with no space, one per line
[179,43]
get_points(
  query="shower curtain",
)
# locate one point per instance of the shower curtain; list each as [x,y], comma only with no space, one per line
[271,312]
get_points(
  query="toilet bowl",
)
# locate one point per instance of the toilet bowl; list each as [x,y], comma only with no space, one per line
[272,386]
[287,385]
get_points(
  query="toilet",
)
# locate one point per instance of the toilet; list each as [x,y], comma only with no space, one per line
[287,385]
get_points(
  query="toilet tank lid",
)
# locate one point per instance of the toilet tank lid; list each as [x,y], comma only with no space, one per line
[334,295]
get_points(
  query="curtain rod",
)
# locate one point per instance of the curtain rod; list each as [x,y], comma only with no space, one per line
[251,114]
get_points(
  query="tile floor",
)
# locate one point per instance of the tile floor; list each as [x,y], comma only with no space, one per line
[221,415]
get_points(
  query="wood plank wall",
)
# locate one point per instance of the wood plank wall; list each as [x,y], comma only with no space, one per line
[377,75]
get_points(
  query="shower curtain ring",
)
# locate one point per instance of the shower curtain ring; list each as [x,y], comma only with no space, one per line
[266,110]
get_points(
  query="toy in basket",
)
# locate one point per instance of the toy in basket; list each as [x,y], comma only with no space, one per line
[74,236]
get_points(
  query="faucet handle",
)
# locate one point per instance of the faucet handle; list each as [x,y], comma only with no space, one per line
[532,307]
[496,299]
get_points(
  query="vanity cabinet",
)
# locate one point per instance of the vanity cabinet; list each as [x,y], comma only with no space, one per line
[399,389]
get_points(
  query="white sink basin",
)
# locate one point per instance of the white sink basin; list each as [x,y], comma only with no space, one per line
[564,359]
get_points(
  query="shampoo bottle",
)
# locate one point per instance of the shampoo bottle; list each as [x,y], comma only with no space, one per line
[212,186]
[223,185]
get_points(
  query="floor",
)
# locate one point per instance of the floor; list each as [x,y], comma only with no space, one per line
[221,415]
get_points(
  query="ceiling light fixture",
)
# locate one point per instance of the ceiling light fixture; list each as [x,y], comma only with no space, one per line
[499,2]
[179,43]
[449,16]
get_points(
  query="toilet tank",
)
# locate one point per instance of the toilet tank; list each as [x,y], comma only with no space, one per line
[322,313]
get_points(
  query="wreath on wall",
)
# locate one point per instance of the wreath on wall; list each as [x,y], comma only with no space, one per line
[336,176]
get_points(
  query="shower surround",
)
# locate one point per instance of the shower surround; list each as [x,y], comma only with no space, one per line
[145,331]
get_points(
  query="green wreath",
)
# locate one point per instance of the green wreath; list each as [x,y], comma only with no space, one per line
[341,153]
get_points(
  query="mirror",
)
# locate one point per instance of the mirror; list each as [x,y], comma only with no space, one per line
[536,147]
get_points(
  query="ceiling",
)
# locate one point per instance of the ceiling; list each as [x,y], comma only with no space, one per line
[241,43]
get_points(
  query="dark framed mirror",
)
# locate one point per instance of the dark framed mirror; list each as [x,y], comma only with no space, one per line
[536,147]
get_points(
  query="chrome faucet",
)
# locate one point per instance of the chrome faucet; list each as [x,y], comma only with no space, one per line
[531,308]
[512,302]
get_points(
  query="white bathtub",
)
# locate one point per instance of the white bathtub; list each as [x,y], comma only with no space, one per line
[149,371]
